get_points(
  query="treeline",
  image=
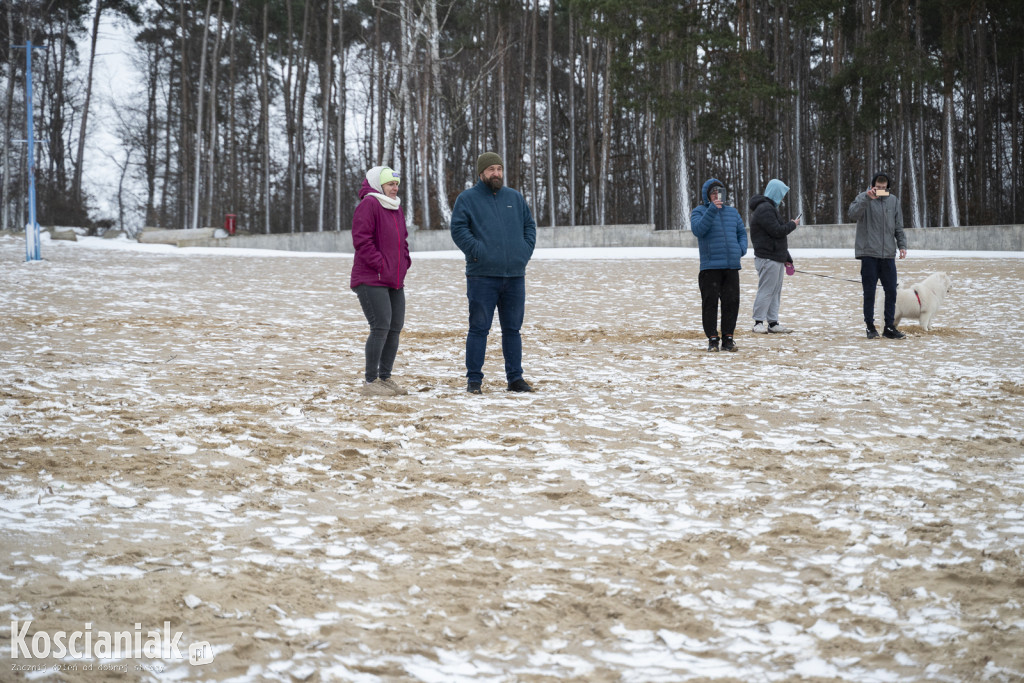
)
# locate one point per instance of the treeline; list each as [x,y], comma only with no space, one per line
[605,111]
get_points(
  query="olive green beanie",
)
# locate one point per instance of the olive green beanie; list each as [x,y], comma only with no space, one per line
[486,160]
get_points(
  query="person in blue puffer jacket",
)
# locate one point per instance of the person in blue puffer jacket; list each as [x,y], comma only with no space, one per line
[722,242]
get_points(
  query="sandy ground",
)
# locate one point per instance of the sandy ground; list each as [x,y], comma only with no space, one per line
[181,440]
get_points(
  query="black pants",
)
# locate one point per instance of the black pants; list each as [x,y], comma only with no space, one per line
[871,271]
[719,285]
[384,309]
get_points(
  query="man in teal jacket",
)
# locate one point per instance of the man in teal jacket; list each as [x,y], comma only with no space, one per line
[493,227]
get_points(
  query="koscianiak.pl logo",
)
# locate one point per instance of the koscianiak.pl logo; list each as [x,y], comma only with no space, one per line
[112,649]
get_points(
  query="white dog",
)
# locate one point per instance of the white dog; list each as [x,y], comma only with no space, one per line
[922,301]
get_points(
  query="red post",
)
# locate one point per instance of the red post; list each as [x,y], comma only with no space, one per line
[229,223]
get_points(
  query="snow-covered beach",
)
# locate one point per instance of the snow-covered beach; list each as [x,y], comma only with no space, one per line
[181,439]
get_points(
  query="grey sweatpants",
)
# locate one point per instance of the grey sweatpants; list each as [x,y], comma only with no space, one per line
[384,309]
[769,289]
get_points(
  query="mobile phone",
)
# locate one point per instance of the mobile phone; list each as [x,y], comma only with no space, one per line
[881,193]
[798,217]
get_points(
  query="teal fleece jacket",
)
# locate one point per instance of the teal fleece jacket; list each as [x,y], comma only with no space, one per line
[495,231]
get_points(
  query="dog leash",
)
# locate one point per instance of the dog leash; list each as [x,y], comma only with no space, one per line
[841,279]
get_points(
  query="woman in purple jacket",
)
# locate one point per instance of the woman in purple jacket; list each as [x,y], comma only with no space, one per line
[378,274]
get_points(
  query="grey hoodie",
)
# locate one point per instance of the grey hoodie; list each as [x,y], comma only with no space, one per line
[879,226]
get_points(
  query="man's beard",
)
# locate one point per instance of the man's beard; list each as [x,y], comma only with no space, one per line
[495,182]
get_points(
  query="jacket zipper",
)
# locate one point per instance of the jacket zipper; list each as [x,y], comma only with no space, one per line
[398,265]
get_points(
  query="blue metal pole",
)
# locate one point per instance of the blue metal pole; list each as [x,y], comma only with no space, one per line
[33,250]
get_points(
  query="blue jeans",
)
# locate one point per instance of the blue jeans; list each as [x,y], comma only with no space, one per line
[508,294]
[871,271]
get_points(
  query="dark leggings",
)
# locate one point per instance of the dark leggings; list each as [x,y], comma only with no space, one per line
[384,309]
[719,285]
[871,271]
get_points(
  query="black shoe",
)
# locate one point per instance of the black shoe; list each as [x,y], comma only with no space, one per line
[872,332]
[474,388]
[519,386]
[712,343]
[892,333]
[727,344]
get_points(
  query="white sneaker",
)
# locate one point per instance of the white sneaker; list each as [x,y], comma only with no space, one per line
[760,329]
[778,328]
[394,386]
[376,388]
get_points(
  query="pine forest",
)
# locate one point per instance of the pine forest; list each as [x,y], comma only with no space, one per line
[604,111]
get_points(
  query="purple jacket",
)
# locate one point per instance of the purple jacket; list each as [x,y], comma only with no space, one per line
[381,242]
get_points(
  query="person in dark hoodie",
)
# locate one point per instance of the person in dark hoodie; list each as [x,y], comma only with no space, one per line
[721,241]
[879,236]
[494,228]
[768,235]
[378,275]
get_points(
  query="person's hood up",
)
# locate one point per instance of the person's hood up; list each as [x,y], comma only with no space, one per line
[776,190]
[373,177]
[366,189]
[372,186]
[708,184]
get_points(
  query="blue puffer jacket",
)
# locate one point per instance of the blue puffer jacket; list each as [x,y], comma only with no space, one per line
[721,235]
[495,231]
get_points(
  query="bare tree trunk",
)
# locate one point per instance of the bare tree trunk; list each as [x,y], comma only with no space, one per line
[532,88]
[339,134]
[915,206]
[76,182]
[838,182]
[1015,171]
[651,184]
[572,121]
[181,190]
[408,54]
[199,119]
[441,141]
[265,115]
[300,121]
[164,213]
[922,153]
[606,134]
[797,155]
[120,189]
[683,186]
[327,79]
[838,155]
[949,161]
[211,146]
[551,108]
[502,120]
[289,115]
[378,82]
[424,165]
[235,172]
[590,105]
[8,108]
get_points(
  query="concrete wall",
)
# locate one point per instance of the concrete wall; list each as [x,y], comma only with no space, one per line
[972,238]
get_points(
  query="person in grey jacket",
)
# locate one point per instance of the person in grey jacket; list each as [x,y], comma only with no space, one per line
[768,235]
[494,228]
[879,236]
